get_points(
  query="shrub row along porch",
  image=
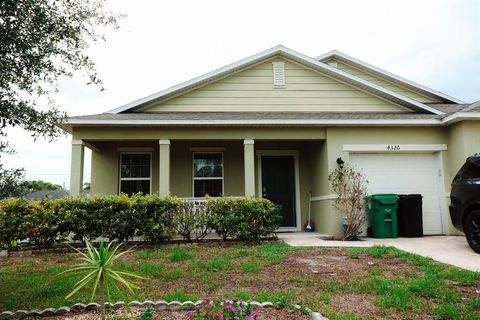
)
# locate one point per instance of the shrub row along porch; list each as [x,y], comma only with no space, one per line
[155,219]
[280,170]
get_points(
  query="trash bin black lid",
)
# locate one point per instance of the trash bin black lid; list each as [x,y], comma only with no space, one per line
[414,195]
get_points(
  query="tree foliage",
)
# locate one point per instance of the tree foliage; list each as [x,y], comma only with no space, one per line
[38,185]
[12,186]
[351,187]
[40,42]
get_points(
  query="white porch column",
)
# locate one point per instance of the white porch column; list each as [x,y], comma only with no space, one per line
[164,168]
[76,167]
[249,163]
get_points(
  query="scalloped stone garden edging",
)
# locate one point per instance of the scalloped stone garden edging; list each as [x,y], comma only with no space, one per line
[158,305]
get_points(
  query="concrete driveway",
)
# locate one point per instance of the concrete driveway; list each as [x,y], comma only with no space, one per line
[453,250]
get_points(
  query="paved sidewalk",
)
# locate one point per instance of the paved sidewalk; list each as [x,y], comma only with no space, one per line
[453,250]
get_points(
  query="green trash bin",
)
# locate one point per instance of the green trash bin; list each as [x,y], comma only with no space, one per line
[382,215]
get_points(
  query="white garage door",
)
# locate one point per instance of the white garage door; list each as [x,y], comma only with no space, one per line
[406,174]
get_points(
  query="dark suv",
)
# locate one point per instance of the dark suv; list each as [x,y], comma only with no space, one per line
[465,201]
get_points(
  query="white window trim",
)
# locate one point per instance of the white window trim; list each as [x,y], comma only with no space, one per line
[120,179]
[444,212]
[324,197]
[295,154]
[207,178]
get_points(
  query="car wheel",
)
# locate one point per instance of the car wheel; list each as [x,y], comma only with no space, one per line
[472,230]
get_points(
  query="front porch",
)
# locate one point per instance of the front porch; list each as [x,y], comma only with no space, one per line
[284,171]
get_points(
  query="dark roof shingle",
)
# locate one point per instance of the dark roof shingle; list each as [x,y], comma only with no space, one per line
[447,109]
[253,116]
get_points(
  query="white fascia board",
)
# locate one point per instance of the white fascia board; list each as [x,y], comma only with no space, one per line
[387,75]
[328,55]
[320,122]
[287,53]
[459,116]
[398,147]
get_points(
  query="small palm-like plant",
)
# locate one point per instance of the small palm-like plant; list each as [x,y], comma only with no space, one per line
[97,270]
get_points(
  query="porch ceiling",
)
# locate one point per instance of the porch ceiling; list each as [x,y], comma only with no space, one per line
[152,133]
[210,144]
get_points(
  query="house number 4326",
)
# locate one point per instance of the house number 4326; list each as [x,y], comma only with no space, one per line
[393,147]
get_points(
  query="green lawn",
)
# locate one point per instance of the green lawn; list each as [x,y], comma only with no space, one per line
[366,283]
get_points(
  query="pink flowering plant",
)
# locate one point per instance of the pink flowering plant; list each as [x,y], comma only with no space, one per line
[214,308]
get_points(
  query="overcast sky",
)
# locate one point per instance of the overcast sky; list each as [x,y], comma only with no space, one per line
[161,43]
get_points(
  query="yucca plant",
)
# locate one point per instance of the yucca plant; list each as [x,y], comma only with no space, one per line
[98,271]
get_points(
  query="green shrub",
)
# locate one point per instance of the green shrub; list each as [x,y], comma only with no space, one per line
[120,217]
[258,218]
[39,221]
[80,218]
[243,218]
[222,216]
[12,221]
[43,223]
[156,216]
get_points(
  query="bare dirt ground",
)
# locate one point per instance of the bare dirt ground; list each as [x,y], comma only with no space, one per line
[265,314]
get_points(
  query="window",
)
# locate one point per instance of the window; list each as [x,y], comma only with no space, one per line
[135,173]
[207,174]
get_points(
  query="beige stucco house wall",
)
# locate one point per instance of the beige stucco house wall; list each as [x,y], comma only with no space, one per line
[278,103]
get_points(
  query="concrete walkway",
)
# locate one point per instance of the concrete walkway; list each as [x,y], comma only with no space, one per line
[453,250]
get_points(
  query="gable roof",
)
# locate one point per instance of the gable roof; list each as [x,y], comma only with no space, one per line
[342,57]
[288,54]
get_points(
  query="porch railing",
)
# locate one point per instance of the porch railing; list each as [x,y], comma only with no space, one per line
[202,201]
[196,201]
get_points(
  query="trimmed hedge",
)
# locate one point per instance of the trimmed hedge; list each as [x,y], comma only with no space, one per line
[120,217]
[247,219]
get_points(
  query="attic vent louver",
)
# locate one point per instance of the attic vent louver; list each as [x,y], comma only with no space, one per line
[278,74]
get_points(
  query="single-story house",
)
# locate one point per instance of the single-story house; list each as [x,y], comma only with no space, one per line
[273,125]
